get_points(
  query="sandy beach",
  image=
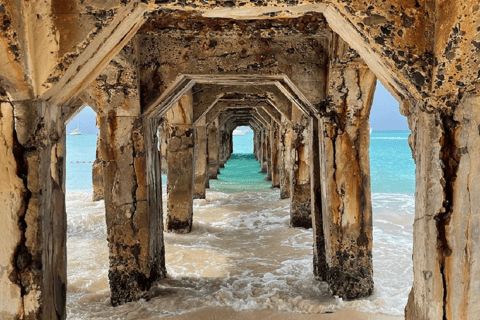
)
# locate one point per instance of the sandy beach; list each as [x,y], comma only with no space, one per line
[230,314]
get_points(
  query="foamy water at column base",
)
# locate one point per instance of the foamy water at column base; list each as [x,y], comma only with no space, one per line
[242,254]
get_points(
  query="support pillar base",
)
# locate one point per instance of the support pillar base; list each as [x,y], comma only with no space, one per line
[175,225]
[133,285]
[352,277]
[300,209]
[199,195]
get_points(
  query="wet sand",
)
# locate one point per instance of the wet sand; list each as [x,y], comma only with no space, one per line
[230,314]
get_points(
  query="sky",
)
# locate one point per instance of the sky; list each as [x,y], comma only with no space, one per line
[384,116]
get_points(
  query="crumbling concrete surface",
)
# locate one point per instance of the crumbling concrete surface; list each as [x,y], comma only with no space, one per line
[345,181]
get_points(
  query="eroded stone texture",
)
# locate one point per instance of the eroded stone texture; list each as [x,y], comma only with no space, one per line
[275,158]
[114,24]
[163,137]
[32,194]
[180,179]
[268,155]
[300,191]
[213,149]
[446,266]
[224,143]
[345,184]
[264,153]
[134,239]
[97,176]
[320,267]
[201,161]
[218,46]
[285,160]
[134,266]
[181,165]
[12,233]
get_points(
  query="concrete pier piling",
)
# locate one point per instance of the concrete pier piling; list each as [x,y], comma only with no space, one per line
[213,150]
[300,184]
[181,165]
[201,160]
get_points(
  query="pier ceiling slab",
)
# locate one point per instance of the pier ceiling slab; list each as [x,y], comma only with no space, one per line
[277,93]
[418,50]
[424,49]
[244,117]
[52,50]
[178,42]
[222,105]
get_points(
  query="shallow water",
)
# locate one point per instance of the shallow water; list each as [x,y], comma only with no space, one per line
[241,252]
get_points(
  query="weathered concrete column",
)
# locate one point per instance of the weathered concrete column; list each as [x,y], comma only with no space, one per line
[230,147]
[345,184]
[33,262]
[300,206]
[163,138]
[97,175]
[320,268]
[257,138]
[268,147]
[181,165]
[134,265]
[154,194]
[223,146]
[213,149]
[286,166]
[201,160]
[135,241]
[264,152]
[446,231]
[228,143]
[275,154]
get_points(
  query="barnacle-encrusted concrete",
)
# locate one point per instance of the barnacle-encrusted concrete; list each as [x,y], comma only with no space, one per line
[287,70]
[345,181]
[134,241]
[201,160]
[181,165]
[300,208]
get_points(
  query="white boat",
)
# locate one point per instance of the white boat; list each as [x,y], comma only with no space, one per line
[237,132]
[371,130]
[75,132]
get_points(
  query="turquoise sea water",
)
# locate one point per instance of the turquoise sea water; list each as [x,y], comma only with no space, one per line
[80,156]
[242,171]
[392,169]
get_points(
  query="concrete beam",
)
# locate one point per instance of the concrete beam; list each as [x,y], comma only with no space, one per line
[281,92]
[98,53]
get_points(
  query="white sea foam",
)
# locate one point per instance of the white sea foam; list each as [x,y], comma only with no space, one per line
[241,253]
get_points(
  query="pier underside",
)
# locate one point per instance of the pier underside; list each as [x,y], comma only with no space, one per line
[170,81]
